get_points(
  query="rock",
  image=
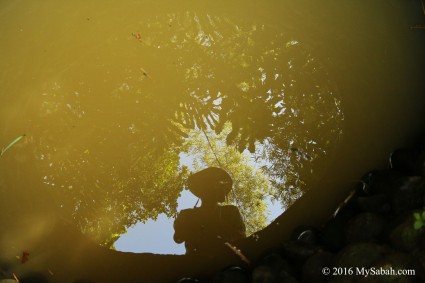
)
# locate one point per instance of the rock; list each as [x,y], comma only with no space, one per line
[263,274]
[410,161]
[298,253]
[419,263]
[5,268]
[232,275]
[408,195]
[392,192]
[359,255]
[404,236]
[382,181]
[276,262]
[188,280]
[266,274]
[380,203]
[312,269]
[306,235]
[365,227]
[285,277]
[33,277]
[331,236]
[395,261]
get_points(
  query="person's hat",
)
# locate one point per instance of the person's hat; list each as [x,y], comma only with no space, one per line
[210,182]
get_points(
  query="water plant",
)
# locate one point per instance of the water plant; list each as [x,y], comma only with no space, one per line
[419,220]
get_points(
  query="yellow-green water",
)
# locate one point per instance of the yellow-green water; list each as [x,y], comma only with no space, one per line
[106,91]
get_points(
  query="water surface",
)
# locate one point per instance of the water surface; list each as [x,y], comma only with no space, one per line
[110,95]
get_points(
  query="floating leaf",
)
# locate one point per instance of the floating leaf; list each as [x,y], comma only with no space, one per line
[11,144]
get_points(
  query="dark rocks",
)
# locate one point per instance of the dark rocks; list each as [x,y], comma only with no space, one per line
[313,268]
[332,235]
[33,277]
[266,274]
[372,229]
[408,196]
[405,237]
[188,280]
[390,191]
[360,255]
[275,262]
[306,235]
[410,161]
[365,227]
[272,268]
[298,252]
[380,203]
[382,181]
[232,275]
[394,261]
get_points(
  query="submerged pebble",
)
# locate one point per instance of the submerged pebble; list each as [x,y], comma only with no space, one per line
[410,161]
[232,275]
[405,237]
[380,204]
[365,227]
[312,271]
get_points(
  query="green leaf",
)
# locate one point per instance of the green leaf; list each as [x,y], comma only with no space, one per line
[417,216]
[418,225]
[11,144]
[423,215]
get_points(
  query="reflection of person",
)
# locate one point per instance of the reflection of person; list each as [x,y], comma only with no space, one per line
[203,228]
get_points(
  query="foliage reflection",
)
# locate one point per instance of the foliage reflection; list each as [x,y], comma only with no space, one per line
[107,150]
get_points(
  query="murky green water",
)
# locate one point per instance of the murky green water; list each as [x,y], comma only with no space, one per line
[111,94]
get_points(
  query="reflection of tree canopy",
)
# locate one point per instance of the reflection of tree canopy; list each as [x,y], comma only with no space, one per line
[107,130]
[251,186]
[108,201]
[251,75]
[107,164]
[269,86]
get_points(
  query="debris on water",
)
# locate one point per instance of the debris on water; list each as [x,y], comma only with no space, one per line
[137,36]
[11,144]
[145,73]
[25,256]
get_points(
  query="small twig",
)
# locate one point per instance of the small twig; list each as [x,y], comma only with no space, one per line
[145,73]
[15,277]
[238,253]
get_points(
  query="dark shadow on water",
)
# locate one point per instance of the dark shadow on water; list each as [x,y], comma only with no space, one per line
[204,228]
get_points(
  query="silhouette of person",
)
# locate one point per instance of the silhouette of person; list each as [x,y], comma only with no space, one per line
[203,228]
